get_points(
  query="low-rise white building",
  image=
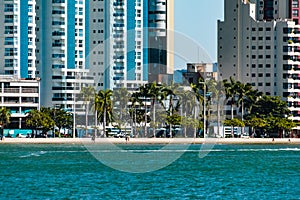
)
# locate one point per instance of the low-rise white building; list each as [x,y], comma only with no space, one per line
[19,96]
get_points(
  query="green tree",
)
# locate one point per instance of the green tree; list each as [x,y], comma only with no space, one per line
[234,122]
[217,90]
[103,101]
[256,123]
[4,119]
[4,116]
[231,93]
[40,120]
[270,106]
[88,94]
[62,119]
[121,97]
[187,102]
[170,93]
[251,100]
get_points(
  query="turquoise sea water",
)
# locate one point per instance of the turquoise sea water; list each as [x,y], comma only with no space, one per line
[227,172]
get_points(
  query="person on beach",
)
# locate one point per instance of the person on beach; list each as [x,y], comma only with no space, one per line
[126,138]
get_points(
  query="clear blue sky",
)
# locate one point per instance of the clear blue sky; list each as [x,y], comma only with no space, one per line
[197,19]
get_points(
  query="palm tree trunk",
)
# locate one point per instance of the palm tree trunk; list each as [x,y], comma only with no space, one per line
[145,128]
[195,129]
[218,117]
[86,118]
[185,124]
[154,117]
[243,128]
[96,116]
[104,122]
[232,135]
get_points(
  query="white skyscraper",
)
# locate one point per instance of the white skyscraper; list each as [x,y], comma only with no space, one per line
[62,51]
[17,38]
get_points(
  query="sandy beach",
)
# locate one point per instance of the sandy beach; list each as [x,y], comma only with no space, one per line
[152,141]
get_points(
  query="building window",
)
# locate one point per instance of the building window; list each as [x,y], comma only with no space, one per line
[295,4]
[295,13]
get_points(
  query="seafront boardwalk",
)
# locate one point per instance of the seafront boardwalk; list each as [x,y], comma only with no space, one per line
[153,140]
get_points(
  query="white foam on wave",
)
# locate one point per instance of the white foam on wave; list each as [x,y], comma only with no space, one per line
[35,154]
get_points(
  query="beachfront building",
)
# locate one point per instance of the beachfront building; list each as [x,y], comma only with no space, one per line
[62,32]
[19,96]
[161,40]
[18,38]
[259,43]
[129,41]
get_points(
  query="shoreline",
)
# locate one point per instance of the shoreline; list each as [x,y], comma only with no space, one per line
[290,141]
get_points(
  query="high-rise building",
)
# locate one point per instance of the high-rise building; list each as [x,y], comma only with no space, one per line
[17,38]
[130,42]
[259,43]
[161,44]
[71,44]
[62,31]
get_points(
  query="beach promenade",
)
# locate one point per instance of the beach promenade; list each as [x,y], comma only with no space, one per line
[151,141]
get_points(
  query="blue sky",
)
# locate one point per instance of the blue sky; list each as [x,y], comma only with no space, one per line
[197,19]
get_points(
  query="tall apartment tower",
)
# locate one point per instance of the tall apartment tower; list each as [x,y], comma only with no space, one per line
[259,43]
[161,44]
[129,41]
[17,38]
[62,44]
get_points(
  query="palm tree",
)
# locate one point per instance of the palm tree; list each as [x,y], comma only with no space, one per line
[231,93]
[144,94]
[217,91]
[243,91]
[120,103]
[103,105]
[88,94]
[170,92]
[154,92]
[135,100]
[198,97]
[251,99]
[187,102]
